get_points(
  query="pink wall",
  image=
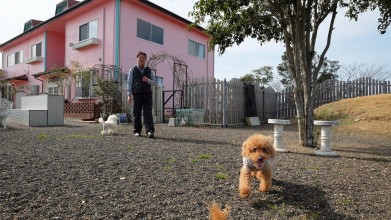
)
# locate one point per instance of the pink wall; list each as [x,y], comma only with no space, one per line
[55,50]
[103,53]
[176,37]
[97,54]
[24,68]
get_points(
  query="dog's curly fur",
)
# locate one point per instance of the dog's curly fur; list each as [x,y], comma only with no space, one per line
[216,213]
[110,125]
[256,152]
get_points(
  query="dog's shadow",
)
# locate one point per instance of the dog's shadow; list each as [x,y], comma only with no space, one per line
[312,199]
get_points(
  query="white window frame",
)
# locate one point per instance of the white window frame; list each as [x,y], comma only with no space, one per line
[15,58]
[34,50]
[52,88]
[92,28]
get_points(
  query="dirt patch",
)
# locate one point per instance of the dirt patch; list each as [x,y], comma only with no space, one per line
[72,172]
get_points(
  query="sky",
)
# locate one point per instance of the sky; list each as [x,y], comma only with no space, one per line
[352,42]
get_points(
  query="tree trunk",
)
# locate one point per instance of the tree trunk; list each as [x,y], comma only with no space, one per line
[306,131]
[304,101]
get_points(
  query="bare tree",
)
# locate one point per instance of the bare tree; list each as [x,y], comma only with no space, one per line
[61,76]
[380,72]
[351,71]
[354,71]
[276,85]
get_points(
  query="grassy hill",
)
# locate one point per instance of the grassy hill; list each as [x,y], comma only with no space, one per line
[366,115]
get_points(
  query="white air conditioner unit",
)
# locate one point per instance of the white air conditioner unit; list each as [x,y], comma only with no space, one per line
[85,43]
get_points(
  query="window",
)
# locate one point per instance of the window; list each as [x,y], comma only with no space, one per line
[11,60]
[53,90]
[61,7]
[53,86]
[83,87]
[15,58]
[27,26]
[196,49]
[150,32]
[89,30]
[36,50]
[19,57]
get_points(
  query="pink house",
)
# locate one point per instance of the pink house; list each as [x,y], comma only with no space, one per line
[102,32]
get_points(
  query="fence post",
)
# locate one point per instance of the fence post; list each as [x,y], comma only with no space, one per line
[225,98]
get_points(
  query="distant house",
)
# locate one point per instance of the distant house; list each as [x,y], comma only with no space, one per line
[102,32]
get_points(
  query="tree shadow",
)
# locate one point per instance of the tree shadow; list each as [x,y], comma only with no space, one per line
[198,141]
[308,199]
[373,150]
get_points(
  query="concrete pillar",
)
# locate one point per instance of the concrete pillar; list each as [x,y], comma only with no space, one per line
[278,130]
[325,138]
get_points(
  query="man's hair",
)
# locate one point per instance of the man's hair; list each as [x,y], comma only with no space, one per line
[141,53]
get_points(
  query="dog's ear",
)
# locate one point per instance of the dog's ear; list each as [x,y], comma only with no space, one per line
[244,149]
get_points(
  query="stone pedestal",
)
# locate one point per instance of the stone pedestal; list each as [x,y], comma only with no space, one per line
[252,121]
[171,122]
[278,130]
[325,138]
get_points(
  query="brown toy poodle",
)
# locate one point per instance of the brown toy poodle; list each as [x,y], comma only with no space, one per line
[216,213]
[256,152]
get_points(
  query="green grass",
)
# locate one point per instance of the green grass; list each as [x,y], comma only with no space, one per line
[42,136]
[220,167]
[346,201]
[315,214]
[171,163]
[204,156]
[314,168]
[172,160]
[221,176]
[167,168]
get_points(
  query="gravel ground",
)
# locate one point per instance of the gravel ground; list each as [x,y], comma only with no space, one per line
[72,172]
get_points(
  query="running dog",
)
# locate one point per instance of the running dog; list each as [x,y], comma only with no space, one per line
[109,126]
[256,152]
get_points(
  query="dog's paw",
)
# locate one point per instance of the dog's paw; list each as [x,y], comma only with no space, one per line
[264,187]
[245,192]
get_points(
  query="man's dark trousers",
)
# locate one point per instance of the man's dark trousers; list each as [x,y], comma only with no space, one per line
[143,103]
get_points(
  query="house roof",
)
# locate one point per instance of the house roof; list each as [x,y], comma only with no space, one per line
[46,22]
[63,70]
[23,77]
[85,2]
[153,5]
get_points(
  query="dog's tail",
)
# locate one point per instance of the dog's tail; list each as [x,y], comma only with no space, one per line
[216,213]
[101,120]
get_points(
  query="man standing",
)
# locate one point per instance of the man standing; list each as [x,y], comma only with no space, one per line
[140,80]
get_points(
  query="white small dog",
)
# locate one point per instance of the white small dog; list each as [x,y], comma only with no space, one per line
[109,126]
